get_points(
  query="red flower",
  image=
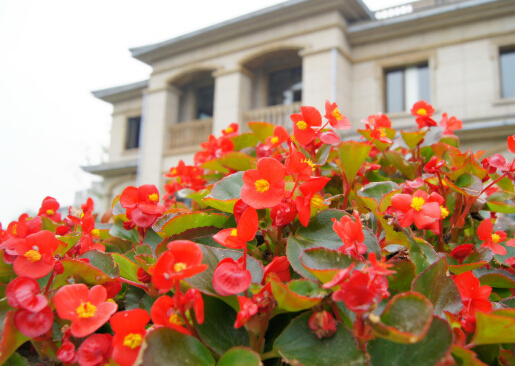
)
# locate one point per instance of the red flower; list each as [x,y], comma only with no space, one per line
[245,231]
[297,163]
[280,266]
[423,111]
[129,331]
[473,295]
[336,119]
[182,260]
[232,130]
[230,277]
[67,353]
[322,324]
[462,251]
[247,309]
[491,240]
[95,350]
[33,324]
[351,234]
[87,309]
[49,208]
[421,209]
[302,124]
[24,293]
[450,124]
[284,213]
[89,206]
[378,268]
[362,291]
[163,314]
[434,165]
[511,143]
[36,255]
[310,198]
[378,121]
[264,187]
[142,204]
[214,148]
[279,136]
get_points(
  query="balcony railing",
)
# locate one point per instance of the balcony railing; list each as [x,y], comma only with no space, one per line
[187,136]
[277,115]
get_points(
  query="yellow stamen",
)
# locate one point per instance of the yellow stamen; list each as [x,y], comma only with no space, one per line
[495,238]
[229,130]
[81,215]
[310,163]
[302,125]
[132,340]
[317,201]
[383,132]
[422,112]
[179,266]
[33,255]
[154,197]
[445,212]
[50,212]
[274,140]
[417,203]
[86,310]
[337,114]
[95,233]
[234,232]
[15,232]
[175,319]
[262,185]
[174,171]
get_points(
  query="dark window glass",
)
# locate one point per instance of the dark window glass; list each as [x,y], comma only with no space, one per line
[507,60]
[285,86]
[205,99]
[406,86]
[133,129]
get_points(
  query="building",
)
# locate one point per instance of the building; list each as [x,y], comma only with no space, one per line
[457,54]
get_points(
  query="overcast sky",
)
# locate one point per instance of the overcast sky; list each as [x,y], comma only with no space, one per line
[53,54]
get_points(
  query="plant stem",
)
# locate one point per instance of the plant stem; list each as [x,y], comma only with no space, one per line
[270,354]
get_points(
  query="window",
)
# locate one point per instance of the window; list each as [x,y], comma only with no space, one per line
[405,86]
[507,64]
[132,136]
[205,99]
[285,86]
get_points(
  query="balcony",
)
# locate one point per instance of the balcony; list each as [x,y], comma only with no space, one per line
[276,115]
[185,137]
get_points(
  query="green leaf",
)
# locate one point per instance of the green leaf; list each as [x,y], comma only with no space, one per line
[436,283]
[381,146]
[404,274]
[407,168]
[128,269]
[218,331]
[69,241]
[297,345]
[81,273]
[244,140]
[17,360]
[228,188]
[212,256]
[466,184]
[322,154]
[233,160]
[102,261]
[240,356]
[6,270]
[501,207]
[288,299]
[10,337]
[431,350]
[412,139]
[320,233]
[119,232]
[406,318]
[324,263]
[262,130]
[167,347]
[133,297]
[465,357]
[422,253]
[116,245]
[492,328]
[375,192]
[352,155]
[495,277]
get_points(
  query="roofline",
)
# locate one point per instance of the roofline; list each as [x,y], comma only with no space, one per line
[122,92]
[356,9]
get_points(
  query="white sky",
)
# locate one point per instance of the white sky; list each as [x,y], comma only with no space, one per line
[52,55]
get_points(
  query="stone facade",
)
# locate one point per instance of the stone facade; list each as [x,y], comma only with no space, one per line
[343,52]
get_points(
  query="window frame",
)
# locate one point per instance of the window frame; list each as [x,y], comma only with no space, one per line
[127,144]
[403,68]
[504,50]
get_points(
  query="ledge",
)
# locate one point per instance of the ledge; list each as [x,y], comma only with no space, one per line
[113,168]
[504,101]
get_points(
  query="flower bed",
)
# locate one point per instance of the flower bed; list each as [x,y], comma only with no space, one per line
[301,250]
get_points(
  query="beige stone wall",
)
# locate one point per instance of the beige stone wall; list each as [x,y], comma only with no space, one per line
[122,111]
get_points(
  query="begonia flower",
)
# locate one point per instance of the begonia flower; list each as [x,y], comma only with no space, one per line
[245,231]
[322,324]
[129,331]
[335,117]
[68,354]
[34,324]
[491,240]
[86,308]
[232,130]
[421,209]
[182,259]
[163,314]
[362,291]
[462,251]
[304,122]
[309,198]
[142,204]
[351,234]
[264,187]
[280,266]
[36,255]
[450,124]
[279,136]
[377,121]
[230,278]
[24,293]
[473,295]
[49,208]
[95,350]
[213,148]
[247,309]
[423,111]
